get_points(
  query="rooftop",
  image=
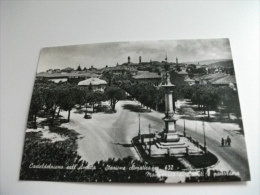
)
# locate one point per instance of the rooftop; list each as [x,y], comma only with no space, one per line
[182,72]
[93,81]
[82,74]
[72,74]
[225,80]
[147,75]
[48,75]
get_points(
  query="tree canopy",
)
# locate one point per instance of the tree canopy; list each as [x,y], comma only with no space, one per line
[114,94]
[79,68]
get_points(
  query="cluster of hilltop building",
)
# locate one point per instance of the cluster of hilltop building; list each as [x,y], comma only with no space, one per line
[151,73]
[142,71]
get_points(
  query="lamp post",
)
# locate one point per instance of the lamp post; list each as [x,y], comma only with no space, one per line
[139,132]
[205,144]
[184,132]
[150,144]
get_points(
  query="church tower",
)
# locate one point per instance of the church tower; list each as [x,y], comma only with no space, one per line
[176,60]
[140,59]
[128,59]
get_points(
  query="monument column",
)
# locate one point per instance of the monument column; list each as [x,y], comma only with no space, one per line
[170,133]
[169,103]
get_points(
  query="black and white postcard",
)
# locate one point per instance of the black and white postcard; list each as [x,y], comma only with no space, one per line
[136,112]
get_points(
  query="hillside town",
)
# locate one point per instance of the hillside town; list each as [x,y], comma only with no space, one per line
[151,73]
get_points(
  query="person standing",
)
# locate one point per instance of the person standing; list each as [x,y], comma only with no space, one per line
[222,141]
[228,140]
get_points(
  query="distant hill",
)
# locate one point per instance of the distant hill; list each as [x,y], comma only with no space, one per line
[224,64]
[207,62]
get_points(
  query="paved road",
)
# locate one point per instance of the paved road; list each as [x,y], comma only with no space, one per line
[232,158]
[109,136]
[105,135]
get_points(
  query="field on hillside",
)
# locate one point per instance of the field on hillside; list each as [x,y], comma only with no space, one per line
[227,63]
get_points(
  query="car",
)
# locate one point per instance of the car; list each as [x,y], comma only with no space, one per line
[87,116]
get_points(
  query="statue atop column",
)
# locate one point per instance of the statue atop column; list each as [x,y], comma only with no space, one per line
[170,133]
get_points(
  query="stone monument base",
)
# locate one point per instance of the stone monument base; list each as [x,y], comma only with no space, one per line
[171,140]
[170,137]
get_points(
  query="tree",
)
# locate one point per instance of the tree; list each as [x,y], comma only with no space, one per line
[90,87]
[37,102]
[187,91]
[201,71]
[114,94]
[118,80]
[53,99]
[146,95]
[191,68]
[176,95]
[135,90]
[80,95]
[79,68]
[177,79]
[229,98]
[62,92]
[196,93]
[95,97]
[209,96]
[178,68]
[159,98]
[69,99]
[157,71]
[108,76]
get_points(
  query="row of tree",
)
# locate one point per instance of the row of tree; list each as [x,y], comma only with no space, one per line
[207,97]
[55,97]
[52,98]
[80,69]
[147,95]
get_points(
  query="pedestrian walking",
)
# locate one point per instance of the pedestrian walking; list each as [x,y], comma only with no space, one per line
[222,141]
[228,141]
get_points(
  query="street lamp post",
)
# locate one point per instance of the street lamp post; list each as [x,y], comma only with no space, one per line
[205,144]
[150,144]
[139,132]
[184,132]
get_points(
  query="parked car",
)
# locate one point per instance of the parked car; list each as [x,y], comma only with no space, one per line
[87,116]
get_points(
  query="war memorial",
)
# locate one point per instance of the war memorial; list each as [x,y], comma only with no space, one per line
[171,142]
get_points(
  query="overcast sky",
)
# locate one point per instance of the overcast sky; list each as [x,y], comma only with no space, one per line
[101,54]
